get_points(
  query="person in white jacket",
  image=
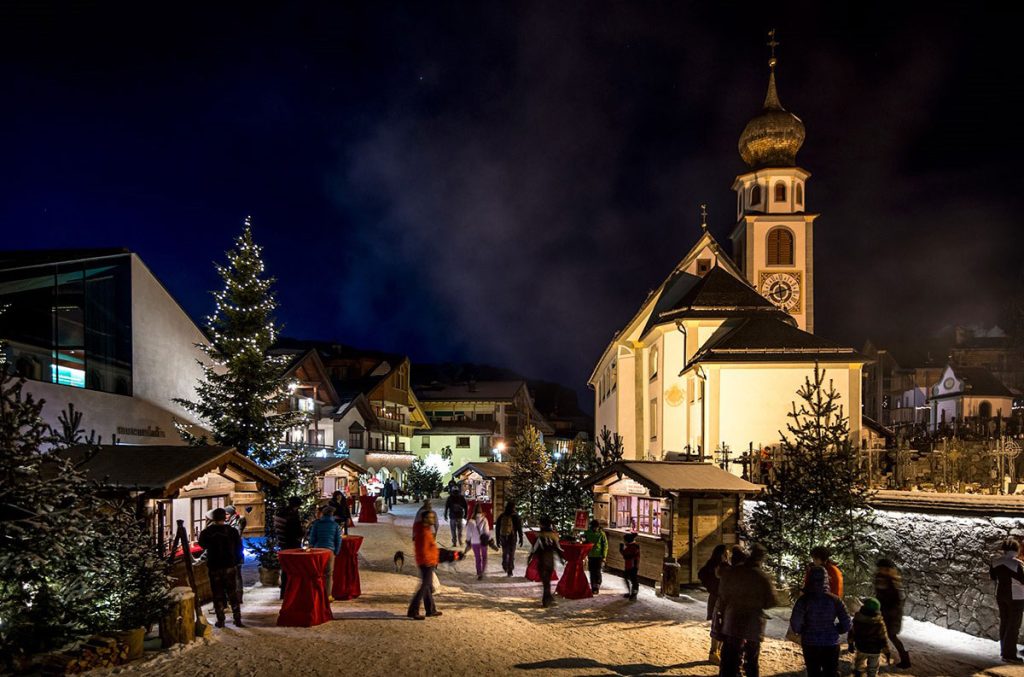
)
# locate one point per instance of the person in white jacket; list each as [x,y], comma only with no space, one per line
[478,537]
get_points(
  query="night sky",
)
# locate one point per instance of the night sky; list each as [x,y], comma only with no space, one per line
[504,182]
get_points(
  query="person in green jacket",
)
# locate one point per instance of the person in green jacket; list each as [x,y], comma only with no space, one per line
[595,558]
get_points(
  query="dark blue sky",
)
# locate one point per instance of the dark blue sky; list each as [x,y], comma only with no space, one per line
[504,182]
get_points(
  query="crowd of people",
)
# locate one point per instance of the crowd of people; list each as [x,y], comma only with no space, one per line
[740,591]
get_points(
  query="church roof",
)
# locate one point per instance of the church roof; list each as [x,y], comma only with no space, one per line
[716,294]
[980,382]
[769,339]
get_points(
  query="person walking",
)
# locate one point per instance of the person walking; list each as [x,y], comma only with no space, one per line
[288,530]
[889,593]
[869,638]
[325,533]
[455,509]
[238,522]
[745,592]
[708,577]
[386,492]
[223,547]
[394,490]
[478,537]
[820,618]
[342,514]
[509,531]
[1007,571]
[630,551]
[597,555]
[544,550]
[426,561]
[425,508]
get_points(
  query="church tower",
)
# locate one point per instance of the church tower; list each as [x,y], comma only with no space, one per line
[773,241]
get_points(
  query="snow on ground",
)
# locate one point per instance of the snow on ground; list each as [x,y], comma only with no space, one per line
[497,627]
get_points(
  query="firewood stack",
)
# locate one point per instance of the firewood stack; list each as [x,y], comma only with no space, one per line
[96,652]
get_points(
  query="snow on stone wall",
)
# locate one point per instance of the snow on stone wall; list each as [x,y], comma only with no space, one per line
[945,560]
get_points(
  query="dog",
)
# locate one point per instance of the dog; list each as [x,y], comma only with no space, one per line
[399,561]
[449,557]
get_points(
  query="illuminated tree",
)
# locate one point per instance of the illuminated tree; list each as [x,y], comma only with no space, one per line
[243,387]
[530,466]
[819,494]
[566,493]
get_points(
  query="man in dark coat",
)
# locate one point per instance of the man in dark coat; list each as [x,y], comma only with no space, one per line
[455,509]
[508,529]
[889,593]
[745,592]
[288,530]
[223,548]
[1007,571]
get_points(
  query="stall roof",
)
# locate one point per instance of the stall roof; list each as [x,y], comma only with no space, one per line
[161,470]
[486,469]
[678,476]
[321,464]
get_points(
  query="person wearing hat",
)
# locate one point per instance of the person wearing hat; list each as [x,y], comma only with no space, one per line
[223,548]
[597,555]
[325,533]
[819,617]
[869,638]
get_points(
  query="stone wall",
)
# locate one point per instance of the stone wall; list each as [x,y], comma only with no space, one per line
[945,560]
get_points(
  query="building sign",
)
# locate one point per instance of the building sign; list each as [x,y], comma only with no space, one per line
[581,520]
[148,431]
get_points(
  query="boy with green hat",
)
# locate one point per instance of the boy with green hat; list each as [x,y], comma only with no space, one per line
[869,638]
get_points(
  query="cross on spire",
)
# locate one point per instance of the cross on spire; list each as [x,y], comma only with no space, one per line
[772,44]
[703,216]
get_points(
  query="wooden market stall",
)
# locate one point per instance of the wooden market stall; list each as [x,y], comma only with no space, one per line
[679,510]
[170,483]
[484,482]
[335,474]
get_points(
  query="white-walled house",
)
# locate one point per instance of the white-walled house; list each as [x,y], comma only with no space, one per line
[95,328]
[968,394]
[712,360]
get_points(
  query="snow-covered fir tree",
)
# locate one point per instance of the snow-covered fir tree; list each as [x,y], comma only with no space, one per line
[818,494]
[530,466]
[242,387]
[565,493]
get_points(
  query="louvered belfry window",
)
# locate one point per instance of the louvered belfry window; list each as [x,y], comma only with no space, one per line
[780,247]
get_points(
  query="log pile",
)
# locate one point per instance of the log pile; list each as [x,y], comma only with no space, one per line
[96,652]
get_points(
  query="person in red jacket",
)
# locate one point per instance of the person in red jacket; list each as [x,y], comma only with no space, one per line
[426,560]
[630,551]
[822,557]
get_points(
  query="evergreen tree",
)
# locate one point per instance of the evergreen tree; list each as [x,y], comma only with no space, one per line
[531,472]
[819,493]
[565,493]
[423,480]
[609,447]
[242,387]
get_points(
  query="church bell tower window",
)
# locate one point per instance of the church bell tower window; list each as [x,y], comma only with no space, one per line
[779,247]
[755,195]
[780,192]
[800,194]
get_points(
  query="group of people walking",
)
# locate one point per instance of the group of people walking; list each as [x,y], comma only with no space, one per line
[740,592]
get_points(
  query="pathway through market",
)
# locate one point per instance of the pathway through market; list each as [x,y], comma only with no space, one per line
[497,627]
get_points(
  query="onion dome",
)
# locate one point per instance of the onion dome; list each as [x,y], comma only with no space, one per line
[773,138]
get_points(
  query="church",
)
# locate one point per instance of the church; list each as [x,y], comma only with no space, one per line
[710,364]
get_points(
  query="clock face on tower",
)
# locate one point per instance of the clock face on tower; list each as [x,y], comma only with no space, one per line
[782,289]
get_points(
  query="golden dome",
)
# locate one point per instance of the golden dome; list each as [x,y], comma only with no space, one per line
[773,138]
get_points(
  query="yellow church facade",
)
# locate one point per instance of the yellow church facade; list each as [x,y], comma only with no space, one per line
[711,363]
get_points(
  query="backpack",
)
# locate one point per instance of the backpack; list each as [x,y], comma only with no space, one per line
[506,527]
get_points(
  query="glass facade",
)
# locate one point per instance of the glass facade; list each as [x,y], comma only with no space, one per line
[70,323]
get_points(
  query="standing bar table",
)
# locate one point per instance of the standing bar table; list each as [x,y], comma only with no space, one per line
[346,569]
[305,600]
[367,509]
[574,583]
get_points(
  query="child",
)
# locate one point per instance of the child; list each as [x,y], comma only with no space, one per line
[544,550]
[630,551]
[869,638]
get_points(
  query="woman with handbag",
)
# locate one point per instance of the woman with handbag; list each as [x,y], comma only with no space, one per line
[478,537]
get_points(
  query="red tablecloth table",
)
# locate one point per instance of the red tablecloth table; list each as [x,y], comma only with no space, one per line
[367,509]
[305,600]
[531,569]
[346,569]
[574,583]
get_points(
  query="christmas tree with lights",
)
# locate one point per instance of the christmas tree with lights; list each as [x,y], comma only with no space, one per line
[242,393]
[530,466]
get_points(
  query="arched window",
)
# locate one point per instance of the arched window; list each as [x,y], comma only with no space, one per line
[800,193]
[654,362]
[780,192]
[985,409]
[755,194]
[779,247]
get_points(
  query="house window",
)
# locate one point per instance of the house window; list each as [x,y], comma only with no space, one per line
[623,512]
[425,444]
[800,193]
[653,366]
[201,508]
[462,443]
[306,404]
[315,437]
[703,266]
[355,436]
[780,192]
[654,419]
[485,418]
[779,246]
[755,195]
[615,376]
[648,516]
